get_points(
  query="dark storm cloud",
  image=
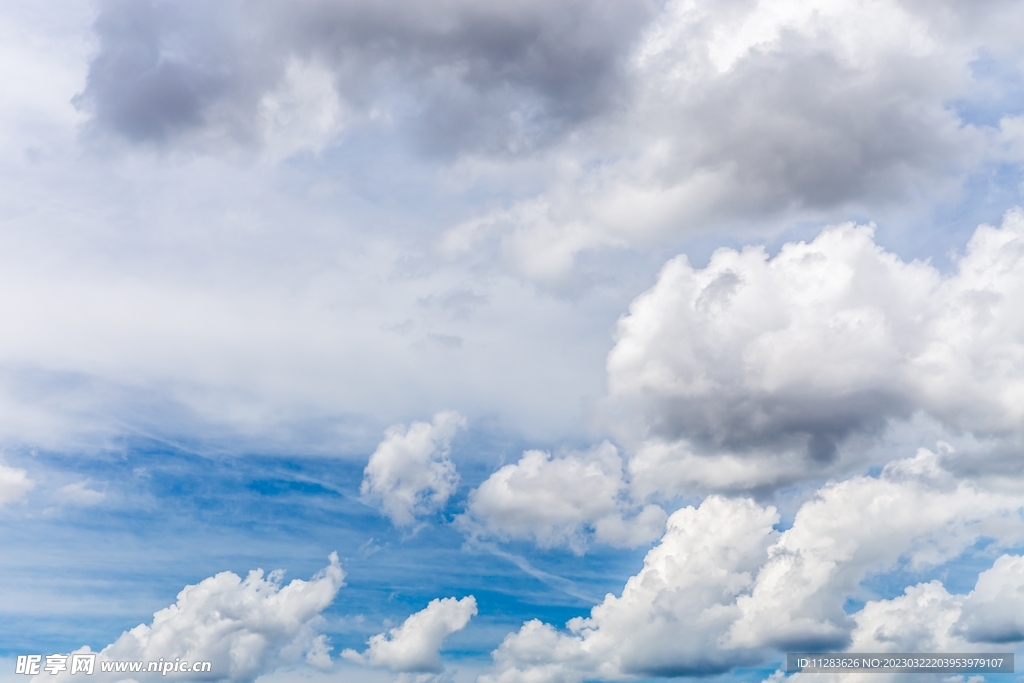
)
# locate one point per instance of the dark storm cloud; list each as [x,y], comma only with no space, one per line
[466,75]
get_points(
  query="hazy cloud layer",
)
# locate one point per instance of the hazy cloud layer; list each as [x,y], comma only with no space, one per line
[740,589]
[562,501]
[414,647]
[754,371]
[244,627]
[410,473]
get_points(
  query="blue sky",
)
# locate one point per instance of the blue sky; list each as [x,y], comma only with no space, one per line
[600,339]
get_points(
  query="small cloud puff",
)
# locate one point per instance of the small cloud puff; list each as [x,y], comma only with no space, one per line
[410,473]
[414,646]
[562,501]
[14,483]
[79,493]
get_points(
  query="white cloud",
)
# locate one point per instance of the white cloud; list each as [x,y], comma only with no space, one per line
[242,626]
[994,611]
[304,113]
[920,620]
[562,500]
[739,589]
[414,647]
[914,510]
[79,493]
[755,371]
[410,473]
[927,618]
[14,483]
[688,584]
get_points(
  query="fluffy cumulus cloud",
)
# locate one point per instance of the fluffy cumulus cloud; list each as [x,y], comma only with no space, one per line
[243,627]
[994,611]
[927,618]
[414,647]
[755,370]
[688,585]
[14,484]
[725,588]
[410,473]
[562,500]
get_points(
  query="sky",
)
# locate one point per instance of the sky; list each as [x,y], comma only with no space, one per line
[521,342]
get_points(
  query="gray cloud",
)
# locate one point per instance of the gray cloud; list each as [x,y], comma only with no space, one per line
[164,69]
[800,126]
[482,75]
[463,75]
[750,116]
